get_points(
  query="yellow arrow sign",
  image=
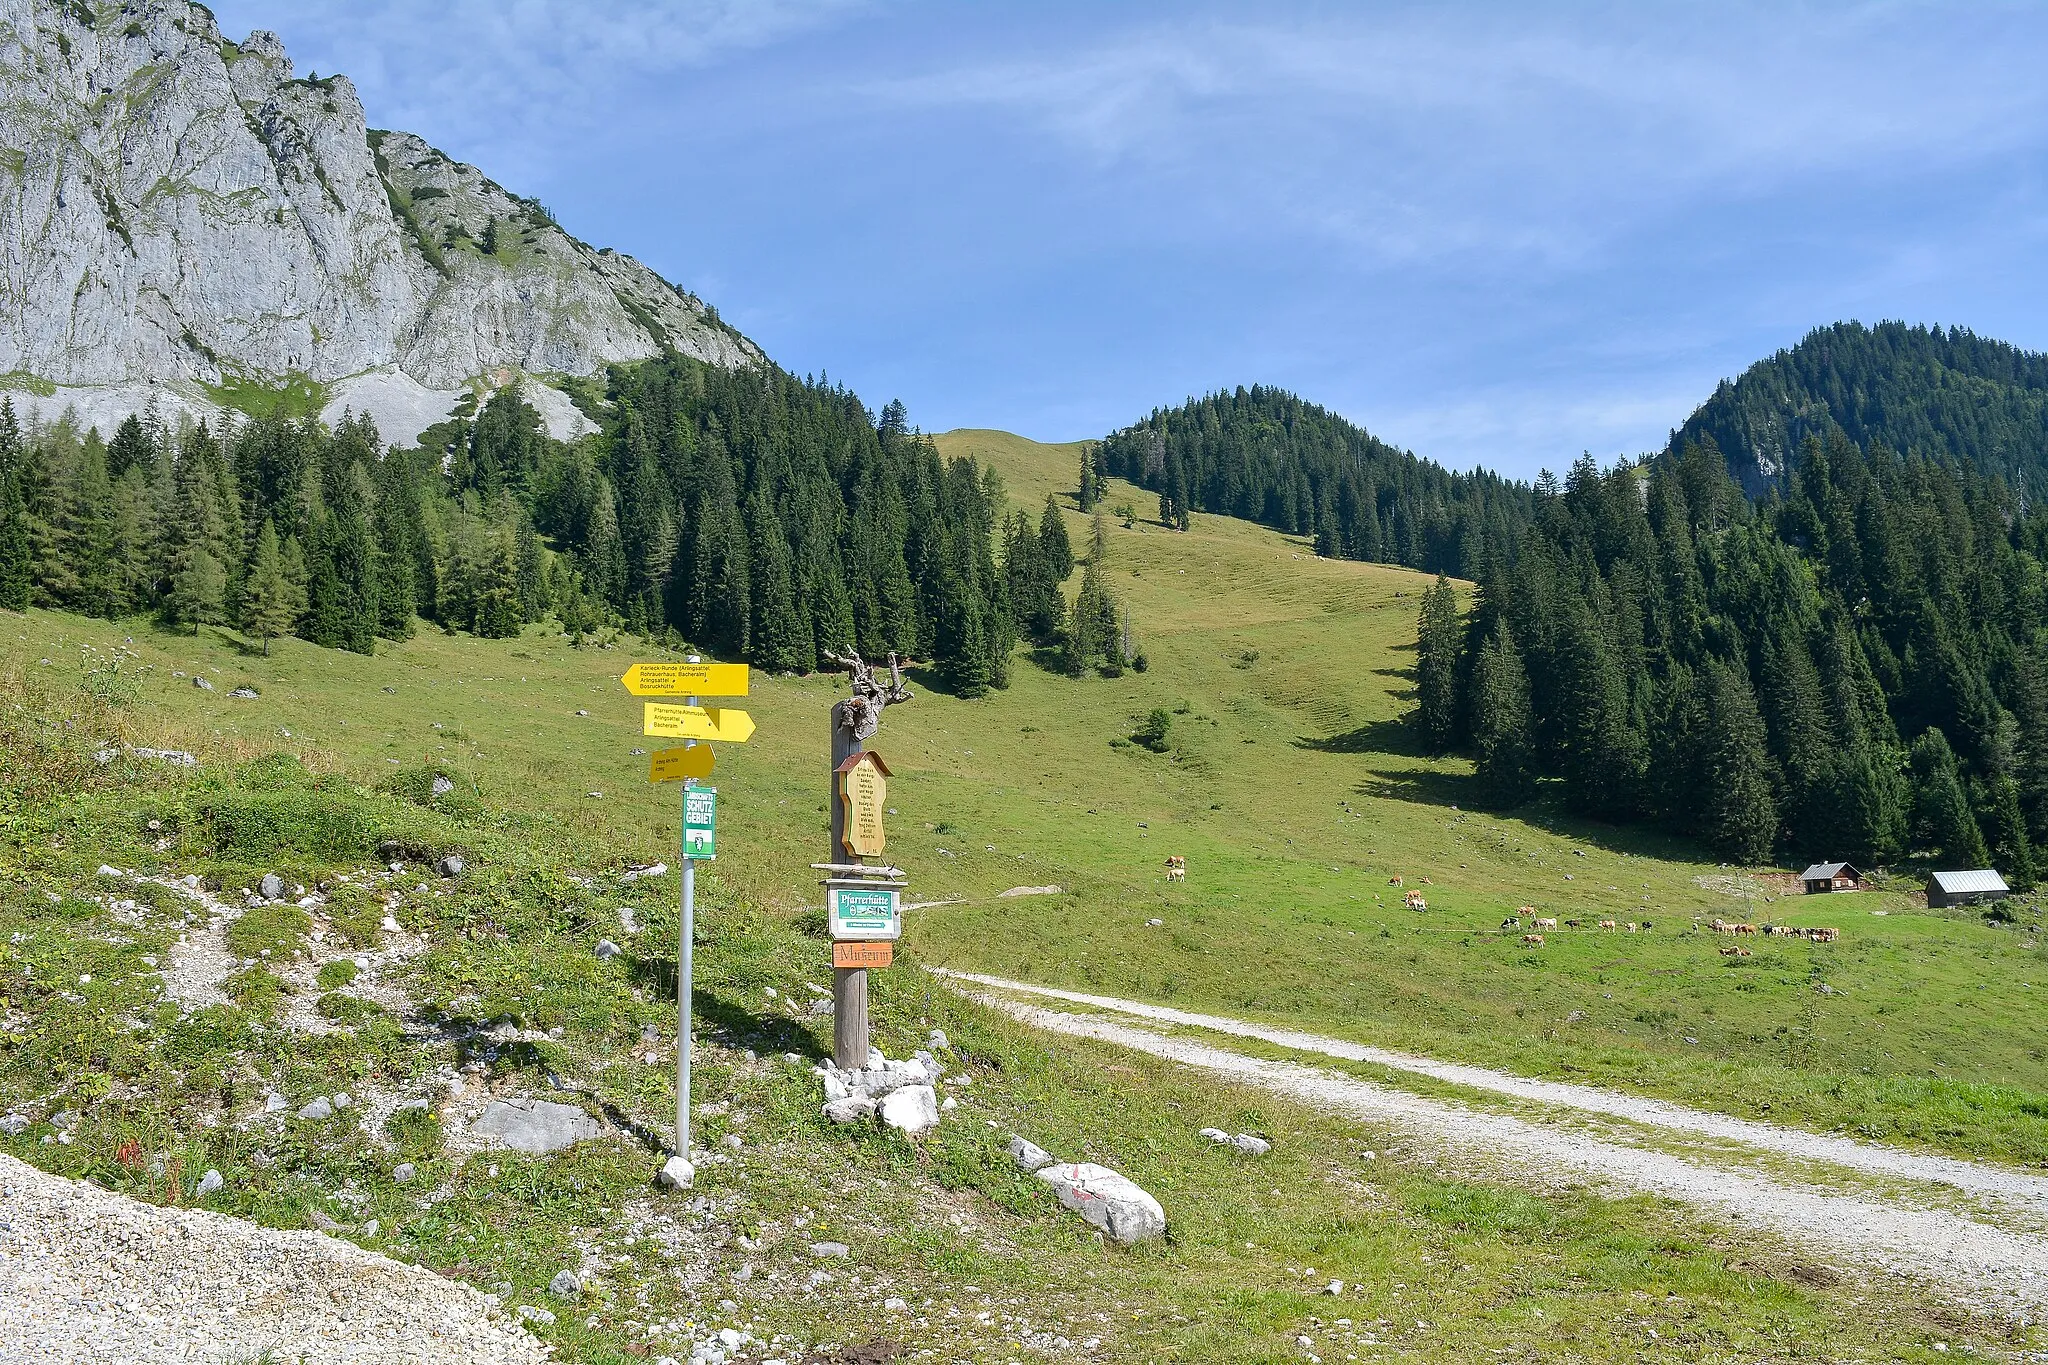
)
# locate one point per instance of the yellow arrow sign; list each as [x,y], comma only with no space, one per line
[697,722]
[673,765]
[686,680]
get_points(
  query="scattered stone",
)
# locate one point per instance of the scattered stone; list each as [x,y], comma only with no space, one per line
[318,1110]
[582,713]
[403,1172]
[1251,1146]
[852,1109]
[831,1251]
[202,684]
[244,693]
[938,1042]
[210,1183]
[911,1109]
[634,874]
[677,1174]
[1334,1287]
[1029,1154]
[1108,1200]
[535,1127]
[177,758]
[388,925]
[342,1100]
[271,887]
[274,1102]
[14,1125]
[442,785]
[607,950]
[1027,891]
[835,1088]
[626,920]
[1154,923]
[539,1316]
[451,866]
[565,1285]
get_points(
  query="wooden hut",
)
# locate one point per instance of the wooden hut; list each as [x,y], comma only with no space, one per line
[1831,877]
[1965,888]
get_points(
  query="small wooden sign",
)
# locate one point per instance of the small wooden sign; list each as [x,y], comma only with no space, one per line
[687,680]
[675,765]
[864,788]
[863,954]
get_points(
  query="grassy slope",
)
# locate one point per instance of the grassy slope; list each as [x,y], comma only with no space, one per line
[1022,789]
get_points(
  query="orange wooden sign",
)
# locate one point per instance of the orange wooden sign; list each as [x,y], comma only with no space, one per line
[863,954]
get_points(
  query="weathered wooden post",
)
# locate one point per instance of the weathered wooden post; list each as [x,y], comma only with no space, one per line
[855,720]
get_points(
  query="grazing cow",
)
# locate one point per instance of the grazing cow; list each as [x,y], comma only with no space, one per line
[1393,881]
[1735,952]
[1647,926]
[1511,922]
[1632,926]
[1573,923]
[1608,924]
[1543,924]
[1414,901]
[1722,926]
[1525,909]
[1533,940]
[1743,929]
[1176,868]
[1823,935]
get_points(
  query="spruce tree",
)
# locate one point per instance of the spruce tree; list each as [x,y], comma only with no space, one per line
[1090,492]
[1741,814]
[199,592]
[1438,637]
[270,604]
[16,566]
[781,639]
[1056,552]
[1500,716]
[1943,821]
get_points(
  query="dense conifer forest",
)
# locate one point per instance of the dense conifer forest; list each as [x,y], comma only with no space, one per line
[1921,390]
[1853,668]
[755,514]
[1264,455]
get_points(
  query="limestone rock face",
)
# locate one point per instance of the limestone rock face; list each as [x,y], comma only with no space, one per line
[180,213]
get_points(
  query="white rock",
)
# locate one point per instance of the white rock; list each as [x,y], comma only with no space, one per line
[607,950]
[938,1041]
[388,925]
[832,1251]
[835,1089]
[528,1313]
[535,1126]
[852,1109]
[911,1109]
[1251,1146]
[565,1285]
[678,1174]
[1108,1200]
[210,1183]
[403,1172]
[1334,1287]
[317,1110]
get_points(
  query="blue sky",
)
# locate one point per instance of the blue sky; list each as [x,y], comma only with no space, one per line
[1497,234]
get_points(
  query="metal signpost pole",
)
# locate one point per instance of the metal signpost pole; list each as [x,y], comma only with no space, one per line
[688,934]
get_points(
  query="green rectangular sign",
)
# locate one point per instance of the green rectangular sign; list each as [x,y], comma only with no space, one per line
[864,913]
[700,822]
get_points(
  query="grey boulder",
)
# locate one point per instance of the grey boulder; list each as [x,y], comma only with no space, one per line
[607,950]
[565,1285]
[210,1183]
[1108,1200]
[535,1127]
[202,684]
[319,1109]
[451,866]
[271,887]
[852,1109]
[1029,1154]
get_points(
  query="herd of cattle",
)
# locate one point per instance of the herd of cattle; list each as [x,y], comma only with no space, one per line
[1539,923]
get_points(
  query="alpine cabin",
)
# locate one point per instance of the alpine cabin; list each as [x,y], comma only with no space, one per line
[1831,877]
[1965,888]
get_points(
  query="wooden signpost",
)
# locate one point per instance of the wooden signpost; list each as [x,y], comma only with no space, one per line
[865,904]
[692,724]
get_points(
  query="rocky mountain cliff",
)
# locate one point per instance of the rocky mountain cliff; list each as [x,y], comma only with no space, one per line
[183,221]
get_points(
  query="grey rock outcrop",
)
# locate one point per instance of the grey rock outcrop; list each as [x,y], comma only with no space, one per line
[181,215]
[535,1127]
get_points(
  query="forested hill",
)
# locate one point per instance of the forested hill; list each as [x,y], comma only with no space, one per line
[1855,670]
[1264,455]
[1920,390]
[759,515]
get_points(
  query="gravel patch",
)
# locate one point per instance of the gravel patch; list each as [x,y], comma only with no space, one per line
[87,1275]
[1968,1260]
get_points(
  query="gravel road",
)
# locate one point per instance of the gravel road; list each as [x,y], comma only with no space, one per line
[1955,1254]
[86,1275]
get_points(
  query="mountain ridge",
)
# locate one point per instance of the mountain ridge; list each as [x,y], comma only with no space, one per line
[181,216]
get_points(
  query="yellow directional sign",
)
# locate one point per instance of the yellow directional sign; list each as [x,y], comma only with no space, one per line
[674,765]
[697,722]
[686,680]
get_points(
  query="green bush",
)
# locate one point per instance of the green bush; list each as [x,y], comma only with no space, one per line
[336,974]
[256,991]
[1153,732]
[415,1132]
[314,823]
[278,928]
[344,1009]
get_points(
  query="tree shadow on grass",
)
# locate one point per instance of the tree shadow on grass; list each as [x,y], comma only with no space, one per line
[1374,737]
[1468,792]
[723,1019]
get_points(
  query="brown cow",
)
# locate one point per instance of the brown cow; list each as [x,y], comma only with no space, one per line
[1743,929]
[1608,924]
[1533,940]
[1735,952]
[1823,935]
